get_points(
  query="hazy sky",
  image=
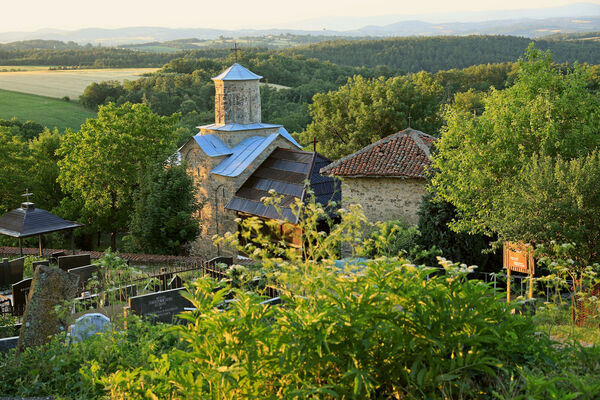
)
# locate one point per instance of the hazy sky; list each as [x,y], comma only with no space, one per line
[25,15]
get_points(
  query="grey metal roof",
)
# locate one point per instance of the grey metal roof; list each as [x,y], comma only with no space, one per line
[212,145]
[30,221]
[285,171]
[243,154]
[236,73]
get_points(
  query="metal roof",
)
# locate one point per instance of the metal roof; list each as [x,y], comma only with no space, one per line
[238,127]
[243,154]
[283,132]
[285,171]
[236,73]
[212,145]
[30,221]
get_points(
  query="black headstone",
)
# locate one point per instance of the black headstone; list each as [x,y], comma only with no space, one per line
[8,343]
[35,264]
[15,268]
[4,273]
[85,273]
[67,262]
[20,291]
[161,306]
[121,294]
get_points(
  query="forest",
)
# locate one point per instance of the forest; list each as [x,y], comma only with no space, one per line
[409,54]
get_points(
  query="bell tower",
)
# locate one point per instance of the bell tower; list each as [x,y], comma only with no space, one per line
[237,96]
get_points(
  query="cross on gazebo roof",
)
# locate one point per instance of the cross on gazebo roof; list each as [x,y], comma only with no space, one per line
[27,194]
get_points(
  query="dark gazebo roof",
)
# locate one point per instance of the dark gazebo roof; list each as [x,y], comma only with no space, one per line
[30,221]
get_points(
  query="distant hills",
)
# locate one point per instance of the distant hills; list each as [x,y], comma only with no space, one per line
[532,23]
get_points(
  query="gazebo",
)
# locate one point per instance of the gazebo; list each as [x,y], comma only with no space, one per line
[28,221]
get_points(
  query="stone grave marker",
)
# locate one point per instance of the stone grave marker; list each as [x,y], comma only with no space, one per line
[67,262]
[11,271]
[176,282]
[50,286]
[35,264]
[20,291]
[119,294]
[85,273]
[88,325]
[16,270]
[161,306]
[8,343]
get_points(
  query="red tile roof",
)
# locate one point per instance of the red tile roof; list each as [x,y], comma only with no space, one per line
[404,154]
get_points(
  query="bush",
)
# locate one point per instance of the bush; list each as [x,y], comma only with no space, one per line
[396,239]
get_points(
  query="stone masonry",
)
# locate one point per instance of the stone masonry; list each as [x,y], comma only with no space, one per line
[385,199]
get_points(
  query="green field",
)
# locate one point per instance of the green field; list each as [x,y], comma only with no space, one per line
[43,110]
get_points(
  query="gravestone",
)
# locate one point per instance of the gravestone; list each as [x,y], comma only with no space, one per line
[160,306]
[54,256]
[50,287]
[85,273]
[119,294]
[11,271]
[88,325]
[176,282]
[35,264]
[67,262]
[20,290]
[8,343]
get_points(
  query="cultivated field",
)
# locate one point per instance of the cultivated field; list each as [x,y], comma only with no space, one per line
[44,82]
[43,110]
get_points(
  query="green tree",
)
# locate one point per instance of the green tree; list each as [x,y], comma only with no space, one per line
[13,164]
[43,169]
[481,159]
[102,164]
[163,217]
[558,200]
[364,111]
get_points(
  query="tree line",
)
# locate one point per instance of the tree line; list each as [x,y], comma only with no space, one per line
[413,54]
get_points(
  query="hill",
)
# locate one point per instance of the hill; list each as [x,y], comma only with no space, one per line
[442,52]
[44,110]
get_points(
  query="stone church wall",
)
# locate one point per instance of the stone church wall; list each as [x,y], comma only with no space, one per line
[214,192]
[385,199]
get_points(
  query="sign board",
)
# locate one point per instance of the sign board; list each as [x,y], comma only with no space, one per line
[518,257]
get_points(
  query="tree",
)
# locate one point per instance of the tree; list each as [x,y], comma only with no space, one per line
[434,217]
[163,217]
[43,169]
[13,164]
[480,163]
[102,163]
[364,111]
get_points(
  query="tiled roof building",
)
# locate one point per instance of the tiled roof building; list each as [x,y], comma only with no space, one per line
[387,177]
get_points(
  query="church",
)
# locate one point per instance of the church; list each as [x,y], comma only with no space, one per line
[237,160]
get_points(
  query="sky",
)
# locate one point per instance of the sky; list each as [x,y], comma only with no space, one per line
[28,15]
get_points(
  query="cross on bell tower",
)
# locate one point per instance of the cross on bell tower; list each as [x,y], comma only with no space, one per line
[235,50]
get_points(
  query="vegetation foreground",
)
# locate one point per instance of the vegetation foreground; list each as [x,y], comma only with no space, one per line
[386,330]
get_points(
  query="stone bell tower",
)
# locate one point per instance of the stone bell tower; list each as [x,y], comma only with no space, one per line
[237,96]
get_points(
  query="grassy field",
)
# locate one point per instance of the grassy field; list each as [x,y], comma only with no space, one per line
[71,83]
[44,110]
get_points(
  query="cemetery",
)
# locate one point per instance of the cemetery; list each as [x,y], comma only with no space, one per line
[286,288]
